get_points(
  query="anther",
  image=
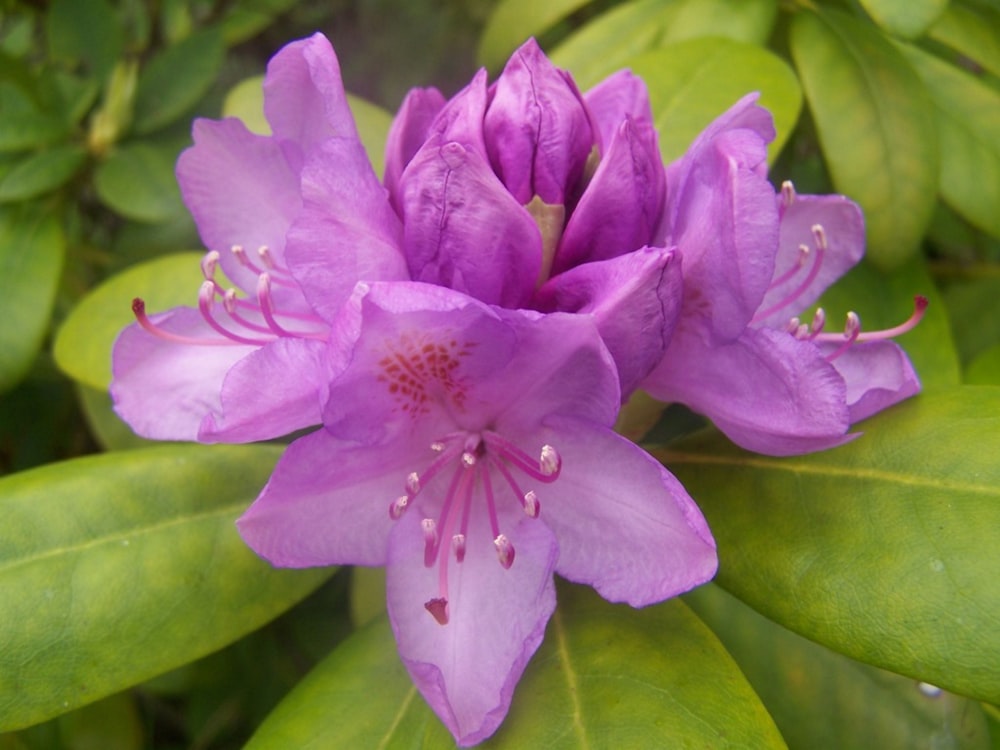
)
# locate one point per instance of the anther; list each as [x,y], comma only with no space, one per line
[505,551]
[787,193]
[240,255]
[468,459]
[549,462]
[531,504]
[265,256]
[458,547]
[412,483]
[430,540]
[439,609]
[209,263]
[398,507]
[819,235]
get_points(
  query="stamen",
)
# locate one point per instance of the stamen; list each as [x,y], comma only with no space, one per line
[398,507]
[851,330]
[820,236]
[430,540]
[818,321]
[412,483]
[798,265]
[458,547]
[549,462]
[919,308]
[267,310]
[139,310]
[787,194]
[209,263]
[206,298]
[531,505]
[439,609]
[265,256]
[546,469]
[505,551]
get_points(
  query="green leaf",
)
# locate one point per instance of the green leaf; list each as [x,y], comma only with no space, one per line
[246,19]
[984,369]
[513,21]
[822,700]
[137,181]
[84,31]
[973,31]
[39,173]
[117,567]
[108,429]
[83,343]
[875,124]
[693,82]
[968,122]
[176,79]
[32,248]
[246,101]
[905,18]
[655,677]
[886,549]
[636,27]
[885,300]
[972,306]
[26,123]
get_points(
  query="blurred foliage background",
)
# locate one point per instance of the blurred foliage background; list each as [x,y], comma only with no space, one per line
[895,103]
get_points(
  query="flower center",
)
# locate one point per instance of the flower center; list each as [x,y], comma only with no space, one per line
[244,322]
[475,460]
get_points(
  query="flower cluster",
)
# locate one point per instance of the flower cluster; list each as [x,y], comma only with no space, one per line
[465,331]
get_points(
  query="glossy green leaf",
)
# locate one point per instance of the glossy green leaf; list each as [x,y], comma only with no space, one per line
[973,31]
[39,173]
[984,369]
[246,101]
[26,123]
[107,428]
[968,123]
[32,247]
[244,20]
[84,31]
[822,700]
[905,18]
[117,567]
[972,306]
[876,126]
[605,676]
[636,27]
[176,79]
[886,549]
[693,82]
[513,21]
[884,300]
[83,343]
[137,181]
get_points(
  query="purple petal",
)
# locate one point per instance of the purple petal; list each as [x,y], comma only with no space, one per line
[463,230]
[163,389]
[537,129]
[625,525]
[240,191]
[768,391]
[620,209]
[304,99]
[721,214]
[461,118]
[634,299]
[347,231]
[467,669]
[620,96]
[271,392]
[878,374]
[410,128]
[327,503]
[844,232]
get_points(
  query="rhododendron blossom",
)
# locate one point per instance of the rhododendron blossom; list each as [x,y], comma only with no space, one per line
[469,450]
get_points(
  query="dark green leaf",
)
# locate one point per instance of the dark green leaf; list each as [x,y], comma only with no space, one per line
[137,181]
[31,258]
[605,676]
[176,79]
[117,567]
[972,306]
[40,172]
[26,123]
[513,21]
[876,126]
[84,31]
[984,369]
[886,549]
[905,18]
[83,343]
[968,122]
[822,700]
[691,83]
[973,31]
[244,20]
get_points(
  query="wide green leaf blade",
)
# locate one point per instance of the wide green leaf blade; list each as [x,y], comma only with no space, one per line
[973,31]
[876,126]
[605,676]
[513,21]
[984,369]
[32,247]
[176,79]
[137,181]
[84,31]
[83,343]
[823,700]
[117,567]
[636,27]
[886,549]
[906,18]
[968,122]
[40,172]
[693,82]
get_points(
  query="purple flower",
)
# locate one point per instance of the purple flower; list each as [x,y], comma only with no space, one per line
[245,367]
[523,194]
[753,261]
[469,449]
